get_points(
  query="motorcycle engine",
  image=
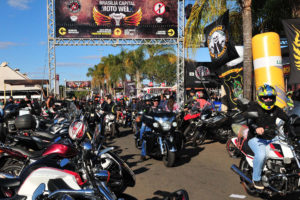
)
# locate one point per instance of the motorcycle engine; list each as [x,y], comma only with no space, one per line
[276,166]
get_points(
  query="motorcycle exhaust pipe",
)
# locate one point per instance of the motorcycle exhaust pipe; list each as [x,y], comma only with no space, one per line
[241,174]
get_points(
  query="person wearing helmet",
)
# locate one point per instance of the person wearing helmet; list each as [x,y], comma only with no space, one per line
[262,128]
[191,100]
[296,100]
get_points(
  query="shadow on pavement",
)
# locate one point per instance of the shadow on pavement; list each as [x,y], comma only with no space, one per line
[187,154]
[129,157]
[161,195]
[127,197]
[140,170]
[293,196]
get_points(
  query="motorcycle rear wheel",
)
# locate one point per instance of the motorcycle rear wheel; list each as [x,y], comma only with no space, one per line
[12,166]
[231,149]
[169,159]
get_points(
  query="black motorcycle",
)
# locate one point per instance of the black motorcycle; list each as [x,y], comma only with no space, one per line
[163,140]
[214,125]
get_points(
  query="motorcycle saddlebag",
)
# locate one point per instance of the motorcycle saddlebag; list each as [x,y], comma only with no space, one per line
[25,122]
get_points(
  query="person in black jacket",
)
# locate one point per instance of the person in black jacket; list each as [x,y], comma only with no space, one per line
[263,128]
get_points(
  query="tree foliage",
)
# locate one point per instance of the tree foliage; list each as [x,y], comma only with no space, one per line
[154,62]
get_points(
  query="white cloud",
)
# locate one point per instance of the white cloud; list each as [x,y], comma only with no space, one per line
[4,45]
[20,4]
[70,64]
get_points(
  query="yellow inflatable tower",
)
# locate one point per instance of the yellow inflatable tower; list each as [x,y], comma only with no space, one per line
[267,63]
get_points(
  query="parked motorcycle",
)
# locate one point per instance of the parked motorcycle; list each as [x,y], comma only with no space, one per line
[214,125]
[280,173]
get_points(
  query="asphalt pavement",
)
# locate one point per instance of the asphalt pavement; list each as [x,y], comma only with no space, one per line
[204,172]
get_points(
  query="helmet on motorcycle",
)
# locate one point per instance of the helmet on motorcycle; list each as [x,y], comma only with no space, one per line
[147,97]
[77,130]
[200,94]
[266,97]
[156,98]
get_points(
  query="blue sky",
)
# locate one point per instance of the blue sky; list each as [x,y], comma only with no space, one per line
[23,43]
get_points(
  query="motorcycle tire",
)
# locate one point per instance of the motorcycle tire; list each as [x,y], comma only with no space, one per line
[247,170]
[12,166]
[113,131]
[231,149]
[169,159]
[187,131]
[199,138]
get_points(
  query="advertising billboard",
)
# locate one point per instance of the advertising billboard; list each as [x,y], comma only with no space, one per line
[78,85]
[128,19]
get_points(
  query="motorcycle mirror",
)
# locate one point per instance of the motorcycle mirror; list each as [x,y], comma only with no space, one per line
[105,150]
[39,191]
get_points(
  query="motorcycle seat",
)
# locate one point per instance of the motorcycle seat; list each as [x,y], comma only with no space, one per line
[10,182]
[45,134]
[246,149]
[30,154]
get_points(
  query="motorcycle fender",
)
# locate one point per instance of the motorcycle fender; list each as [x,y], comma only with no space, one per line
[44,175]
[127,173]
[170,145]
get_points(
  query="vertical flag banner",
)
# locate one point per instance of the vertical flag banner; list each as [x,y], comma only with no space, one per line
[232,79]
[292,31]
[221,49]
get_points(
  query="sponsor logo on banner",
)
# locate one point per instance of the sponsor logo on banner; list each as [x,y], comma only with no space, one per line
[158,20]
[159,8]
[103,32]
[73,18]
[202,71]
[74,6]
[117,18]
[117,32]
[73,31]
[62,31]
[130,32]
[171,32]
[217,42]
[161,33]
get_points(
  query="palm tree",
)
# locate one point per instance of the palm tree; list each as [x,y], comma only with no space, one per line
[135,62]
[203,12]
[153,64]
[247,38]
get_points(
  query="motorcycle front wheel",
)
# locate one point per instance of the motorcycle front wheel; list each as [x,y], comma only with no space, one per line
[247,170]
[199,138]
[169,158]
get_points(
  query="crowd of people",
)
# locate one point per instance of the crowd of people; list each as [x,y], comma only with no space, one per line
[268,112]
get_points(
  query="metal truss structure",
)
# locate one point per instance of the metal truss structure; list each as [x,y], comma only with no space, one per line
[53,42]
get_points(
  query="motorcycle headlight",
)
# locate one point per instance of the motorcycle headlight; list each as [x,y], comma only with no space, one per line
[174,124]
[166,126]
[111,117]
[155,125]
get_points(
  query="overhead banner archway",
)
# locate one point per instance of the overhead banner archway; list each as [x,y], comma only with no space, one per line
[116,22]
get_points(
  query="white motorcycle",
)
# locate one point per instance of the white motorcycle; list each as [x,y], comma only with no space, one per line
[280,173]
